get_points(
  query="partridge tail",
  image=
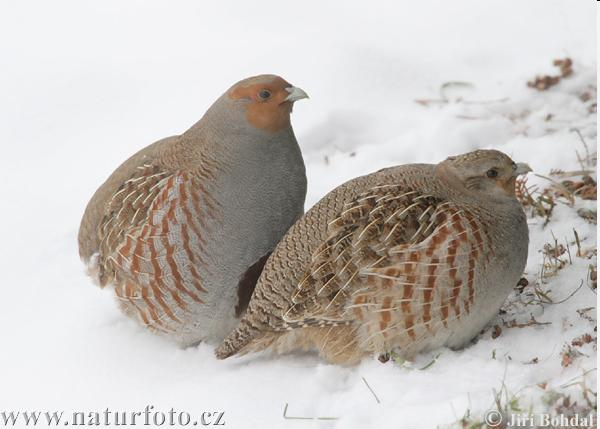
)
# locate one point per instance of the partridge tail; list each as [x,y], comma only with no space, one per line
[238,341]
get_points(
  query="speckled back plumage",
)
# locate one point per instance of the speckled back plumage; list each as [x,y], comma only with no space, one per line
[401,258]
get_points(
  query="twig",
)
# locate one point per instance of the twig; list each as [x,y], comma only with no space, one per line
[285,416]
[578,243]
[564,174]
[582,313]
[369,387]
[540,293]
[498,100]
[450,84]
[592,276]
[444,99]
[471,118]
[568,251]
[532,322]
[430,363]
[561,188]
[572,293]
[587,151]
[568,383]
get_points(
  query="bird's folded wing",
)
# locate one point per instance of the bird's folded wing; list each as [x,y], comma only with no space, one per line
[389,239]
[88,238]
[152,239]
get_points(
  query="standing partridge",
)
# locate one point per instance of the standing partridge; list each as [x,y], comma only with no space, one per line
[409,258]
[183,228]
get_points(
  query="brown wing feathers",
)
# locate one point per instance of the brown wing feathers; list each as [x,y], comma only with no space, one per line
[151,244]
[358,237]
[391,249]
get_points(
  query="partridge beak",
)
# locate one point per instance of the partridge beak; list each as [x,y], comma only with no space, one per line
[521,168]
[295,94]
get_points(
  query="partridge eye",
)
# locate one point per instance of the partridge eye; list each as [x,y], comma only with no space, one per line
[492,173]
[264,94]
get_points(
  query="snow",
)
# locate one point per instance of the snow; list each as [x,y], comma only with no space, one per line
[86,84]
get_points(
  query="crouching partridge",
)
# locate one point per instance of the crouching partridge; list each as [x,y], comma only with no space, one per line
[183,227]
[409,258]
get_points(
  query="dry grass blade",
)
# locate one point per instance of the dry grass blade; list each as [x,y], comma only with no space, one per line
[531,322]
[285,416]
[578,243]
[541,203]
[592,277]
[590,159]
[560,189]
[371,390]
[568,297]
[445,99]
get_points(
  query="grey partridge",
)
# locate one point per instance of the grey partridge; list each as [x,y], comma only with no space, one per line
[183,227]
[406,259]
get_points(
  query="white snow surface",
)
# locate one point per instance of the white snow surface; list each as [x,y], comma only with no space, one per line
[86,84]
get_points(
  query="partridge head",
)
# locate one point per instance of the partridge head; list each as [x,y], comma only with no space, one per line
[489,172]
[182,229]
[408,259]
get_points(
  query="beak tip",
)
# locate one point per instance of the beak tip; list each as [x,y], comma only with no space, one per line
[522,168]
[295,94]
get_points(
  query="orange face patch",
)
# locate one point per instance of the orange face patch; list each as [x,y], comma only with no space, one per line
[508,186]
[270,114]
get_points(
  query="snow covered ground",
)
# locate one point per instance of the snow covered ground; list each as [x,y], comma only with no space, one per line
[83,85]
